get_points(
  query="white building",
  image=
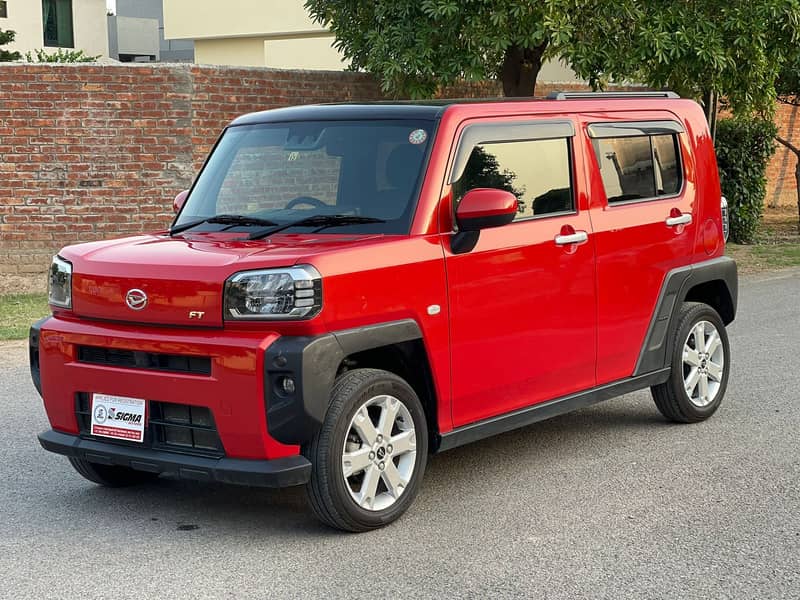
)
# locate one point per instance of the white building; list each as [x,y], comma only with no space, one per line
[271,33]
[53,24]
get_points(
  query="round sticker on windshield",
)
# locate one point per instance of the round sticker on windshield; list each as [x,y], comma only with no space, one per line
[418,136]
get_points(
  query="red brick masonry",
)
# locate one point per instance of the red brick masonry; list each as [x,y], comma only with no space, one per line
[90,152]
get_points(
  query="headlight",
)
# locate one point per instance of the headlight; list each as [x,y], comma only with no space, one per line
[59,289]
[293,293]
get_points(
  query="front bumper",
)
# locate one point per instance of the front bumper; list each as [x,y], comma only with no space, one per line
[279,472]
[230,384]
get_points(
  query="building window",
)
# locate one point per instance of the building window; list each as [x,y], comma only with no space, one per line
[537,172]
[639,168]
[57,17]
[3,10]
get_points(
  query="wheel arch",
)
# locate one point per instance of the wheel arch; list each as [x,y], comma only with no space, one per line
[713,282]
[409,361]
[315,362]
[716,294]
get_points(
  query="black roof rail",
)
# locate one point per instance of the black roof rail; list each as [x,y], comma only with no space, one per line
[608,95]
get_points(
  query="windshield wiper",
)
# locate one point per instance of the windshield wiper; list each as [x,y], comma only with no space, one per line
[319,221]
[224,220]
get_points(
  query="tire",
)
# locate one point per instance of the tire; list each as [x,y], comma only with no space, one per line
[109,475]
[361,402]
[694,321]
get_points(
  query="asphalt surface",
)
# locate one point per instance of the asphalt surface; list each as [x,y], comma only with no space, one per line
[608,502]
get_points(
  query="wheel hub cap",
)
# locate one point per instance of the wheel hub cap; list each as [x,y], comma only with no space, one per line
[703,364]
[379,453]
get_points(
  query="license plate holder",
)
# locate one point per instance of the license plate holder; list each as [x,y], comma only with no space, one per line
[118,417]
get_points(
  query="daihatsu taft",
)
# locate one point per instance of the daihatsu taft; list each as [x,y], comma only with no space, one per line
[349,288]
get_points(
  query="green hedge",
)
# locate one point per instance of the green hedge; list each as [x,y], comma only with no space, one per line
[744,147]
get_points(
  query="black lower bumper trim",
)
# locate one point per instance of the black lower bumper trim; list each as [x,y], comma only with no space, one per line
[279,472]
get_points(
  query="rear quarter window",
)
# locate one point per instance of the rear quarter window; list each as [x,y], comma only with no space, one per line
[639,167]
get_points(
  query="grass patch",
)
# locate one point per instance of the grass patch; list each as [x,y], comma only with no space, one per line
[18,311]
[758,258]
[777,244]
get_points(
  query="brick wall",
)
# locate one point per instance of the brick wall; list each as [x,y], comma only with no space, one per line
[781,183]
[91,152]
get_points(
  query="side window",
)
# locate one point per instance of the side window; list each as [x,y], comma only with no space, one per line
[537,172]
[638,168]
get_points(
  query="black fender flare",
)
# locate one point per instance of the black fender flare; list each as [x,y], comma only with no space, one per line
[657,346]
[312,362]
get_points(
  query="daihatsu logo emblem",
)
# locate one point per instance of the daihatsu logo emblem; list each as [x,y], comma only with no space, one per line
[136,299]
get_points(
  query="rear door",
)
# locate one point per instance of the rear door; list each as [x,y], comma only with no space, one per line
[643,216]
[522,300]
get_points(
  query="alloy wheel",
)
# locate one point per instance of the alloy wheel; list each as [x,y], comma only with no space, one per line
[379,453]
[703,364]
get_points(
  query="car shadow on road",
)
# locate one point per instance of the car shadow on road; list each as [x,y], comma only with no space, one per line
[233,511]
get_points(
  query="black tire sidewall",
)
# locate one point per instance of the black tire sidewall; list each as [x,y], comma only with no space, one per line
[393,386]
[698,312]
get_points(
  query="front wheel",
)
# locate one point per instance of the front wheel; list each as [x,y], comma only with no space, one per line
[369,456]
[700,366]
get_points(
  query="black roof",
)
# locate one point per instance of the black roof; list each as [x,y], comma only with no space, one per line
[331,112]
[420,109]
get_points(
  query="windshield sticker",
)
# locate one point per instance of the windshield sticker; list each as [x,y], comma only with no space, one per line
[418,136]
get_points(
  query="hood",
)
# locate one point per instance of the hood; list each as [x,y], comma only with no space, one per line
[181,277]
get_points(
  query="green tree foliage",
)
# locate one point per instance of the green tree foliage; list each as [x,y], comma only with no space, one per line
[415,46]
[744,146]
[59,56]
[6,37]
[733,48]
[787,85]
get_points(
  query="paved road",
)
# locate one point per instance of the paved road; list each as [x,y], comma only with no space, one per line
[609,502]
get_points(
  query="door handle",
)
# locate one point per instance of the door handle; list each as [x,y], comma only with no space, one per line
[573,238]
[683,219]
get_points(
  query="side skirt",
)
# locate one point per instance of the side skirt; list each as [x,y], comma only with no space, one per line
[546,410]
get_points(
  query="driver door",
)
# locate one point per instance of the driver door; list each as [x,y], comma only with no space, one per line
[523,300]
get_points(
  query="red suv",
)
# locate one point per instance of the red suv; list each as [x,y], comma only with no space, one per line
[347,289]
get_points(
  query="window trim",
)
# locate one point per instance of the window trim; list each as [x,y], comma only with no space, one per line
[679,156]
[620,129]
[506,131]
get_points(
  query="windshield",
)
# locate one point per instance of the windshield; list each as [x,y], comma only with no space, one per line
[287,172]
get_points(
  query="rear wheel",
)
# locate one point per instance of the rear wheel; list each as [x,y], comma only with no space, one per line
[110,475]
[369,457]
[700,366]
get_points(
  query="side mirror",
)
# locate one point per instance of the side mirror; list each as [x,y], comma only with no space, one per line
[177,204]
[481,208]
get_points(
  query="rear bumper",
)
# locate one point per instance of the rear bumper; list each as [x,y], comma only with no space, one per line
[280,472]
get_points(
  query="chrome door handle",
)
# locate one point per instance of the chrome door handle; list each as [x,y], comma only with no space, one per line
[684,219]
[574,238]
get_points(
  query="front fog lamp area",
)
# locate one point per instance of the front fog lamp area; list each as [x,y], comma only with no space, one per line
[294,293]
[59,285]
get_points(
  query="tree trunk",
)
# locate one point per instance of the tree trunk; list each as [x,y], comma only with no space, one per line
[520,69]
[710,100]
[796,151]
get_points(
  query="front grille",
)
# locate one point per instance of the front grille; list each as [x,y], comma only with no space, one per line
[153,361]
[172,427]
